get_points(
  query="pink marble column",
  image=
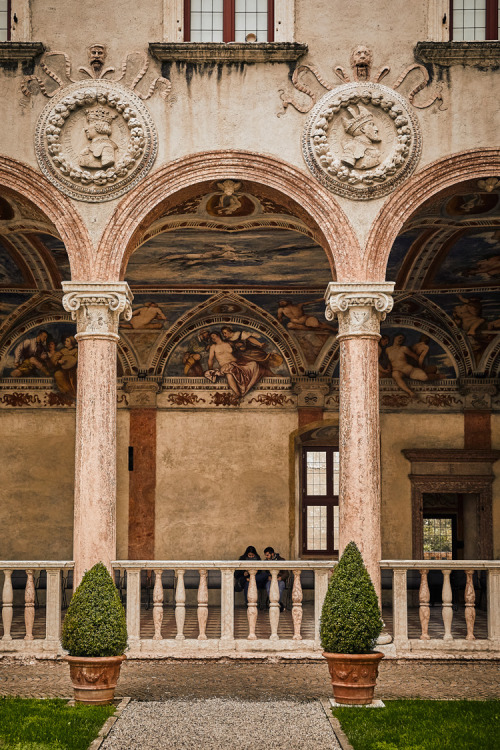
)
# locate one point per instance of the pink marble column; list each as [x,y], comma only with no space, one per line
[360,307]
[96,307]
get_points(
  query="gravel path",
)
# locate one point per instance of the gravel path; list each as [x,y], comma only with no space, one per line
[222,724]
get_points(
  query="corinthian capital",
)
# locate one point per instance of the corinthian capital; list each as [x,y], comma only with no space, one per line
[359,306]
[96,307]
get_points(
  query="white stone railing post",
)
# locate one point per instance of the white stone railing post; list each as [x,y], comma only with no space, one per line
[297,605]
[96,307]
[7,601]
[360,307]
[227,608]
[180,605]
[399,608]
[134,608]
[320,588]
[203,605]
[447,605]
[252,597]
[470,609]
[53,611]
[274,606]
[158,604]
[494,605]
[29,605]
[424,612]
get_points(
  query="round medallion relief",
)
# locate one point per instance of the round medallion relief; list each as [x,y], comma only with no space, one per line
[361,140]
[95,141]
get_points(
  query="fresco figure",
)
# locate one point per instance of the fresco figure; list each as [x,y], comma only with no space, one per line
[247,346]
[148,316]
[241,376]
[399,357]
[384,366]
[297,318]
[67,365]
[192,358]
[468,315]
[30,357]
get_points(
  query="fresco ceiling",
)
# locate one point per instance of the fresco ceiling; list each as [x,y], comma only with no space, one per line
[229,285]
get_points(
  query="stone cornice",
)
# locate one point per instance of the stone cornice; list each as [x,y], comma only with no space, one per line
[482,55]
[450,455]
[215,53]
[20,51]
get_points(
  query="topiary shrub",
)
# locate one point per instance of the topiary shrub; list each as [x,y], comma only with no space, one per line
[95,622]
[350,619]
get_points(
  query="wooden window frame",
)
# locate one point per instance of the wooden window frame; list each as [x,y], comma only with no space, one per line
[228,33]
[9,20]
[491,20]
[330,500]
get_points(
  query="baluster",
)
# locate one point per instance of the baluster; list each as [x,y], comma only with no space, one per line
[29,606]
[180,606]
[297,605]
[202,605]
[158,604]
[7,599]
[424,596]
[274,606]
[227,608]
[400,607]
[447,608]
[470,609]
[252,606]
[133,593]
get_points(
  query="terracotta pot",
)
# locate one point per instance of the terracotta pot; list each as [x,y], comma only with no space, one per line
[94,678]
[353,676]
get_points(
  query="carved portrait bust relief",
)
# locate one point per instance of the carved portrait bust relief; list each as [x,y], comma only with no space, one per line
[361,140]
[95,141]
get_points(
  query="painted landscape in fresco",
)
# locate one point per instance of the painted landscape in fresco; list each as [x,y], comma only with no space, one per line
[473,259]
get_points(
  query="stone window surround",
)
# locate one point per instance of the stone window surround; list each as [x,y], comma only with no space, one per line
[452,470]
[173,21]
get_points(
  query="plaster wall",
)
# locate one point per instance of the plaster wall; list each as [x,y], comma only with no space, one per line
[36,484]
[222,483]
[398,432]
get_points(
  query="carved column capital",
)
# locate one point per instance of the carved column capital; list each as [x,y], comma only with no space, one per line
[359,306]
[96,307]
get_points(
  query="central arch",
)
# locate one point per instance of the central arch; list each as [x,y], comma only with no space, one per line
[339,240]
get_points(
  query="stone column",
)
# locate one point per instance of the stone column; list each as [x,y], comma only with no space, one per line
[96,307]
[360,307]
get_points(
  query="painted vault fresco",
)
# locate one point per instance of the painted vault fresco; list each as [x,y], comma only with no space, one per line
[261,257]
[10,273]
[473,259]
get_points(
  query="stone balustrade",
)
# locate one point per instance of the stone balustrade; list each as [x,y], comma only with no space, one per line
[457,582]
[227,641]
[32,580]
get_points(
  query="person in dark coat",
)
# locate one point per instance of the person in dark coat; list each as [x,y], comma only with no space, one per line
[242,577]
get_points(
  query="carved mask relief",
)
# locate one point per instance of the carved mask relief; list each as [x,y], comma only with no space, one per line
[362,140]
[95,140]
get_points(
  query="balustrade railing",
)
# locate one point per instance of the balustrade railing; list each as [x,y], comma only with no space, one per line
[135,576]
[455,586]
[26,585]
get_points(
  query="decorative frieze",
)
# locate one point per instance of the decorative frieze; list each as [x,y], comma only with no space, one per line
[142,393]
[477,395]
[97,306]
[359,307]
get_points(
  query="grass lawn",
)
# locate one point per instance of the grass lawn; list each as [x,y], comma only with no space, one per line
[29,724]
[423,725]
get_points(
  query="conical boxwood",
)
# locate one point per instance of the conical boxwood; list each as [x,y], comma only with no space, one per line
[350,618]
[95,622]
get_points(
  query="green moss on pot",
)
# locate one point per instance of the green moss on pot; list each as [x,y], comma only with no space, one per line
[95,622]
[350,618]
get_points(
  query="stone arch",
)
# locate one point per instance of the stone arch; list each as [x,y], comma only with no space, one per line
[24,180]
[441,174]
[339,240]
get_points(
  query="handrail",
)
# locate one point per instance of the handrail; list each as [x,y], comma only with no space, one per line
[440,564]
[37,564]
[225,564]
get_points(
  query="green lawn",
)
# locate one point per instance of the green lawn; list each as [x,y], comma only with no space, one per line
[28,724]
[423,725]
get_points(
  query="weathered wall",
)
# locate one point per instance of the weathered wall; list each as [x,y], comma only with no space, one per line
[36,484]
[222,483]
[397,433]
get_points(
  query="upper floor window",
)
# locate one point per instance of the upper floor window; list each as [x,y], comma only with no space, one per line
[4,20]
[474,20]
[320,501]
[228,20]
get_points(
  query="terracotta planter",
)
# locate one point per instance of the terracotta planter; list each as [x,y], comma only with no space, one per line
[94,678]
[353,676]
